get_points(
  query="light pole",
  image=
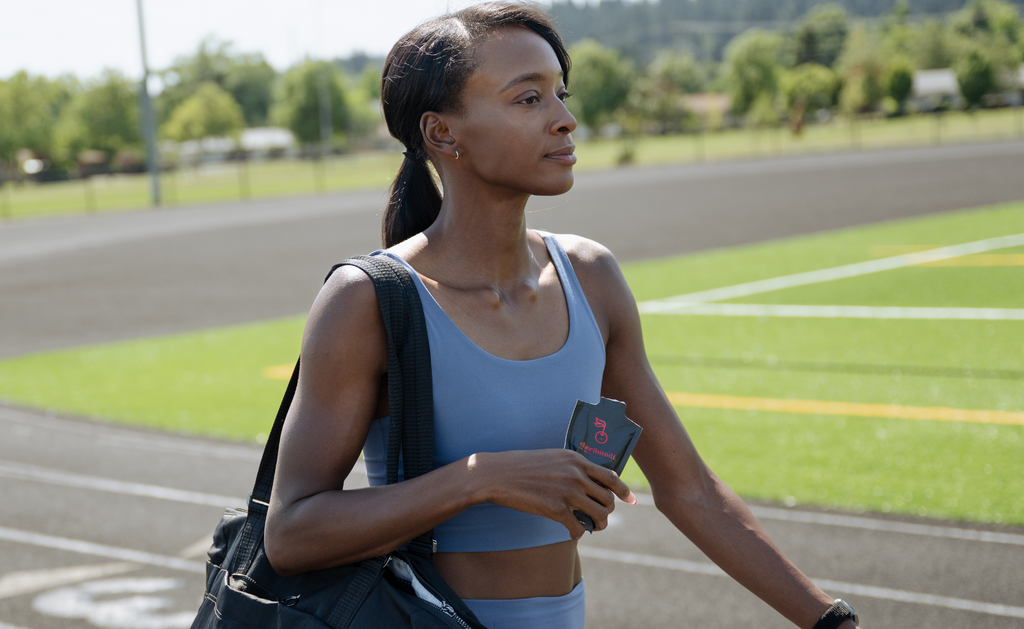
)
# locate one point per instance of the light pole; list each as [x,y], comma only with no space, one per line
[148,124]
[324,72]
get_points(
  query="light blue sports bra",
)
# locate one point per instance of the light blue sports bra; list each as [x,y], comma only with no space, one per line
[483,403]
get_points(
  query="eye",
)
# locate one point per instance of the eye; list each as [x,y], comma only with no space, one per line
[530,100]
[564,96]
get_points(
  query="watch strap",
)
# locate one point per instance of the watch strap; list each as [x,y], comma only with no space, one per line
[837,614]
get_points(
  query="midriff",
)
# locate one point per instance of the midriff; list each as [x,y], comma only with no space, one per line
[552,570]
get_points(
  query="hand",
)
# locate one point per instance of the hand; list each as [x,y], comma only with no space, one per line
[550,483]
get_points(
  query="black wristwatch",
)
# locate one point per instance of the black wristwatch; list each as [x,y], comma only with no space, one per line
[837,615]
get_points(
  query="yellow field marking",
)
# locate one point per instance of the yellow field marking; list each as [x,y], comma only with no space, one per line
[978,259]
[820,407]
[981,259]
[279,372]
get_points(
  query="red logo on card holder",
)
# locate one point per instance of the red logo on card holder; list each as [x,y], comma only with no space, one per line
[601,436]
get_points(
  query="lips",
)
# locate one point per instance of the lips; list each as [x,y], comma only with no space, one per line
[564,155]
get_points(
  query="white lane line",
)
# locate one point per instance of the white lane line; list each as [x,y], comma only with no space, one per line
[834,273]
[198,549]
[30,581]
[872,524]
[54,477]
[19,471]
[100,550]
[870,591]
[933,600]
[842,312]
[115,436]
[106,230]
[123,438]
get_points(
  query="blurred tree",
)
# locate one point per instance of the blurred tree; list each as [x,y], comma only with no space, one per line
[854,99]
[29,108]
[898,82]
[820,34]
[806,46]
[899,41]
[656,97]
[763,112]
[813,84]
[678,71]
[103,117]
[363,96]
[861,66]
[211,111]
[977,77]
[296,104]
[932,48]
[247,77]
[992,29]
[898,37]
[752,67]
[211,63]
[898,15]
[600,83]
[369,82]
[250,80]
[985,17]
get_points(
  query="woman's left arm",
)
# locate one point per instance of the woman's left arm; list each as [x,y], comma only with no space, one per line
[696,501]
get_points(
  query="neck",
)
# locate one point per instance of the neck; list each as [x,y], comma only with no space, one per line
[481,239]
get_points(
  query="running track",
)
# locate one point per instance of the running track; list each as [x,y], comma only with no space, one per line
[97,519]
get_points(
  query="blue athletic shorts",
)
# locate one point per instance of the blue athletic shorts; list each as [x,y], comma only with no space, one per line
[554,612]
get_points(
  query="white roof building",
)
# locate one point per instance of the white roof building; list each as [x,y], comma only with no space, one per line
[266,139]
[935,83]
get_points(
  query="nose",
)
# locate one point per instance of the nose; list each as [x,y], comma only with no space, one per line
[565,122]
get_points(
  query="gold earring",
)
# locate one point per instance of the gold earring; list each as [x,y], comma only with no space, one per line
[456,154]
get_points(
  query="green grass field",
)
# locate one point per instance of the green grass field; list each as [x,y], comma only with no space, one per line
[214,382]
[229,181]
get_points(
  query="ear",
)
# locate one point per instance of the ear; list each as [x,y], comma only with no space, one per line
[437,136]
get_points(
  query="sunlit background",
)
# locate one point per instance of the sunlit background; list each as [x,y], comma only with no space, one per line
[818,206]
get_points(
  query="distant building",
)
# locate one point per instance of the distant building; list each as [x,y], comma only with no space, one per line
[256,142]
[266,140]
[707,103]
[932,88]
[931,83]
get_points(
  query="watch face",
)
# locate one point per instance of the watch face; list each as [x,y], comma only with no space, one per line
[847,608]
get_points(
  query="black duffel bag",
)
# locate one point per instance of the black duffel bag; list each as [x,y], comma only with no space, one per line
[401,589]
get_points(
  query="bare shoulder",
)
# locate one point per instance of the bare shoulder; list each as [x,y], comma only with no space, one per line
[345,322]
[586,254]
[344,358]
[594,264]
[602,281]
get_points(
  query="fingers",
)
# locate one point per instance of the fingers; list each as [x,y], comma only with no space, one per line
[576,528]
[609,479]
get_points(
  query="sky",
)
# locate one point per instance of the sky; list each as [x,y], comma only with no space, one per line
[83,37]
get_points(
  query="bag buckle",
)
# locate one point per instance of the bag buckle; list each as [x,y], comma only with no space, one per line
[251,501]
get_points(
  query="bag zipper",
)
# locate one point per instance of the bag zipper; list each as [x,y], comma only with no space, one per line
[450,612]
[445,606]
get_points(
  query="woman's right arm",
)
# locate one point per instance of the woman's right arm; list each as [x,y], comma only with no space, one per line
[314,523]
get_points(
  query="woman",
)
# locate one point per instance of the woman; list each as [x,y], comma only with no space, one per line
[521,325]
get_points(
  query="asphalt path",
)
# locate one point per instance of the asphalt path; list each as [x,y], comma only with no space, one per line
[107,526]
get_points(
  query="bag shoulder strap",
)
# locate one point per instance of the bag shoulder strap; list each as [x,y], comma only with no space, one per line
[410,398]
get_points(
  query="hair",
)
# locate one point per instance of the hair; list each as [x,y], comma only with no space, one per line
[426,71]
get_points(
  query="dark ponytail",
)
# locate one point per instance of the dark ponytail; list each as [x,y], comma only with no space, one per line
[414,201]
[426,71]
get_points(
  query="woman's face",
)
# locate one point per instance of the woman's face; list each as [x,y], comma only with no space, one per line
[513,128]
